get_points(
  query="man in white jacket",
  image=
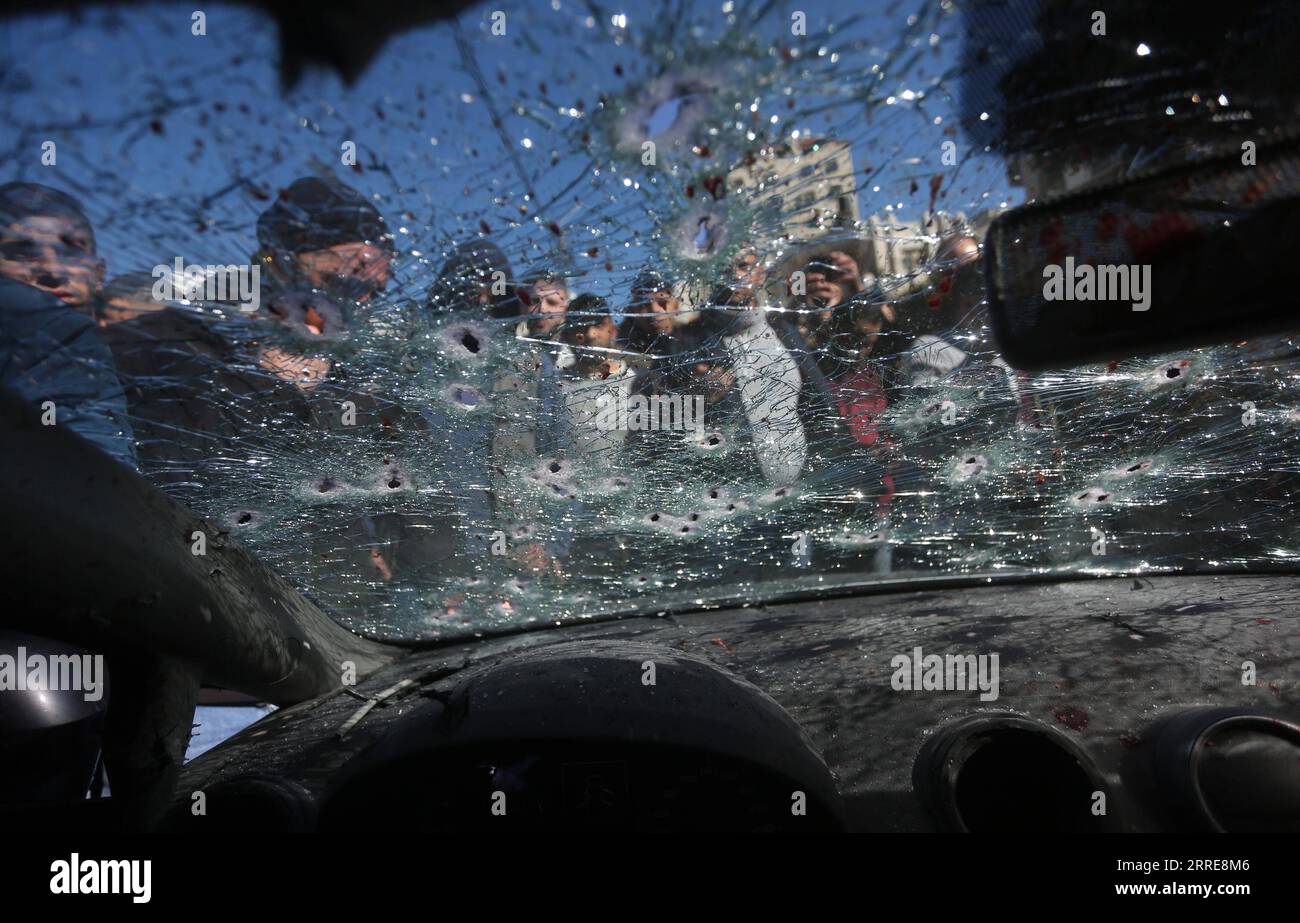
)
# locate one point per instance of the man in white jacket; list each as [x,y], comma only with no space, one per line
[766,375]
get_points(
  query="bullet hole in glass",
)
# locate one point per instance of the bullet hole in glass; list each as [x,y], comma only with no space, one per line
[851,540]
[1093,496]
[671,111]
[775,496]
[1127,471]
[1170,374]
[700,235]
[243,519]
[970,466]
[518,586]
[467,397]
[393,478]
[327,485]
[466,342]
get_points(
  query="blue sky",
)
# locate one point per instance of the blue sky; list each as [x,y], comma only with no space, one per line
[174,141]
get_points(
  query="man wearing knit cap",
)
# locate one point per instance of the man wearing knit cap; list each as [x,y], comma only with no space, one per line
[476,275]
[48,243]
[324,235]
[50,351]
[327,247]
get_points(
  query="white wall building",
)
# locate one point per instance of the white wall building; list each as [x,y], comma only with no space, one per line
[811,182]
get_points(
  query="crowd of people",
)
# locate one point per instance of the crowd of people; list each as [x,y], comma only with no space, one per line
[804,365]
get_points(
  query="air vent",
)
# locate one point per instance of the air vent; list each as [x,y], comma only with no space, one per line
[1230,771]
[1007,774]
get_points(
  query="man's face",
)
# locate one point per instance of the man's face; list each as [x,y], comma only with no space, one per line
[547,303]
[824,288]
[360,266]
[956,261]
[867,327]
[52,254]
[658,310]
[954,254]
[959,250]
[749,275]
[600,335]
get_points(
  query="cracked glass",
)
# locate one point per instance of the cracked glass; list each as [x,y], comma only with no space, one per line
[582,310]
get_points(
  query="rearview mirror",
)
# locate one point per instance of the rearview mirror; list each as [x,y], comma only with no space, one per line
[1183,257]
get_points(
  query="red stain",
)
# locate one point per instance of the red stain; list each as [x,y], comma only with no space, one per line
[936,181]
[1072,716]
[1263,621]
[1107,225]
[1166,231]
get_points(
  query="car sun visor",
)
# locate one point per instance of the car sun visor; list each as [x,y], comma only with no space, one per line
[1180,257]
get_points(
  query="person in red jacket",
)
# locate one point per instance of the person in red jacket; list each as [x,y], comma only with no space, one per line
[856,379]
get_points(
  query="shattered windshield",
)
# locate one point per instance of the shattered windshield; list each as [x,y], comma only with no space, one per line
[565,309]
